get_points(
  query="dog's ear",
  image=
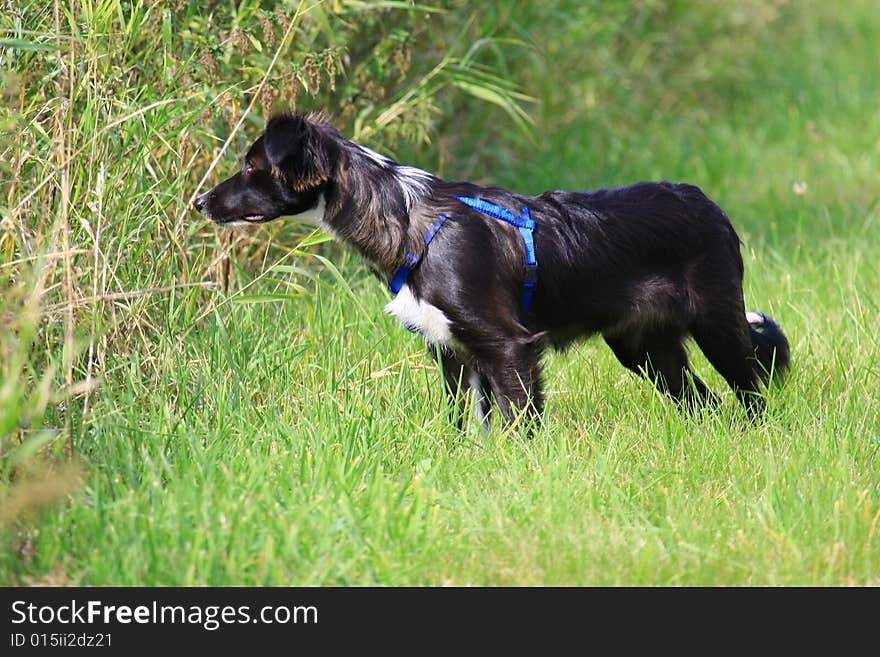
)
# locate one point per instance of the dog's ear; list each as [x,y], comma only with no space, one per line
[538,342]
[300,150]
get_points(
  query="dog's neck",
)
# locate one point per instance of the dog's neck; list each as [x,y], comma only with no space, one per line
[374,206]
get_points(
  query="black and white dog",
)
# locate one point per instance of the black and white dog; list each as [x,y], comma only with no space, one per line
[489,278]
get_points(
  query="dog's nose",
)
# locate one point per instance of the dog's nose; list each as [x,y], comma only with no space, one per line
[199,203]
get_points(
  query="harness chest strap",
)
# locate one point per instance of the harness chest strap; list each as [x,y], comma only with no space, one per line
[524,224]
[401,275]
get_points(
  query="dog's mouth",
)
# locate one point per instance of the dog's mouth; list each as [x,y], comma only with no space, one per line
[239,221]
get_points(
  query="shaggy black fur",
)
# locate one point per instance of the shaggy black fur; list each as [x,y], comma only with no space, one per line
[645,266]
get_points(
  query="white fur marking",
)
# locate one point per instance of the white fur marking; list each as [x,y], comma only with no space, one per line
[421,316]
[373,155]
[755,319]
[313,216]
[414,183]
[479,399]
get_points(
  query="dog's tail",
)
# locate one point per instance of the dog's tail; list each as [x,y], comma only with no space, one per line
[770,344]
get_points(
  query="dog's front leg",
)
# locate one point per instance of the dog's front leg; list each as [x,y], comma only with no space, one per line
[459,380]
[513,370]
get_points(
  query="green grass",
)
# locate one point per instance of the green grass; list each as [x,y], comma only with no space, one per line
[292,434]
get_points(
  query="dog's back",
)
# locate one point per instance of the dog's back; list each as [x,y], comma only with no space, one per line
[631,254]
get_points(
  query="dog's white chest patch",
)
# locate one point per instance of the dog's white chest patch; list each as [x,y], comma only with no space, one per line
[420,316]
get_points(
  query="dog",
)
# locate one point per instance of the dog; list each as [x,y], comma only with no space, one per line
[490,278]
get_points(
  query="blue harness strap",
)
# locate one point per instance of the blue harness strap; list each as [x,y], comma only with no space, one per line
[401,274]
[524,224]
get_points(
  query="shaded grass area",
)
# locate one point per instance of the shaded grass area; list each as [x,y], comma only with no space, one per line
[302,439]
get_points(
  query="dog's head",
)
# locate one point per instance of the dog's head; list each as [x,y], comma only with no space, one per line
[287,171]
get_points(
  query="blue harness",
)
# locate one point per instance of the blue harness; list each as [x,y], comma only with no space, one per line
[524,224]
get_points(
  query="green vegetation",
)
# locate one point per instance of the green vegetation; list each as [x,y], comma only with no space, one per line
[185,406]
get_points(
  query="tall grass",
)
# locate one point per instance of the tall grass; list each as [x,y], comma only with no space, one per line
[117,113]
[235,409]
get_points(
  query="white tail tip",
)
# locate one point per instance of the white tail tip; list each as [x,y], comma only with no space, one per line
[756,320]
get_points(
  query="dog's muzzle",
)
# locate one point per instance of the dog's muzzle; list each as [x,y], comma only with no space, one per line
[200,202]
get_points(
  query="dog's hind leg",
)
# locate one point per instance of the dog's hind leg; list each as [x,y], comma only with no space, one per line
[718,321]
[459,380]
[724,337]
[660,356]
